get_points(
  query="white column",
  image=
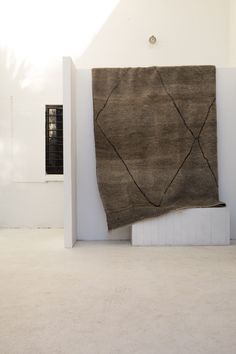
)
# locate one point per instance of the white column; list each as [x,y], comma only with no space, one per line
[69,142]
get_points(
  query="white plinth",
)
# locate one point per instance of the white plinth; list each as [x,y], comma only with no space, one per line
[198,226]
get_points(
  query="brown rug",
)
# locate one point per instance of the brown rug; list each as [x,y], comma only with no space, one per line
[155,136]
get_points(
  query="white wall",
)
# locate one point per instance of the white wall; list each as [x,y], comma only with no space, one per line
[27,199]
[232,33]
[188,32]
[114,33]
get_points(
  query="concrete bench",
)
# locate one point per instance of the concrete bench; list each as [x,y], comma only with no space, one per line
[197,226]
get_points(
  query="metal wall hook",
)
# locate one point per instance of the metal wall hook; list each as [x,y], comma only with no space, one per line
[152,39]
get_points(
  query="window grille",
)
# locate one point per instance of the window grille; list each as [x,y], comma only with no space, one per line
[54,139]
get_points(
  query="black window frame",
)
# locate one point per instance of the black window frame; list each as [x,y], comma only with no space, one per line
[54,139]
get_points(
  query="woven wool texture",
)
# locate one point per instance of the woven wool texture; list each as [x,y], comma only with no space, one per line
[155,138]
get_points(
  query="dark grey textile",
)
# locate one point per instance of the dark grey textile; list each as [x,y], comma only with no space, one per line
[155,137]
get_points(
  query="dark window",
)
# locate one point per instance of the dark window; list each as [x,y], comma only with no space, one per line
[54,139]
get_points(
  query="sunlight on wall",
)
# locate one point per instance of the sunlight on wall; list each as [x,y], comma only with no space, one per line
[40,31]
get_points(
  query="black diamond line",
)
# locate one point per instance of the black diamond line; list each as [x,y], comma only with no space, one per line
[118,154]
[174,103]
[110,94]
[195,138]
[202,151]
[208,112]
[176,173]
[113,146]
[208,163]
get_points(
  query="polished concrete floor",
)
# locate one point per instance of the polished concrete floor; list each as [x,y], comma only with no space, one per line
[111,298]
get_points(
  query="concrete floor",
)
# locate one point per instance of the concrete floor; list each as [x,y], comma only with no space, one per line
[112,298]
